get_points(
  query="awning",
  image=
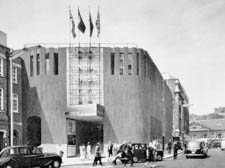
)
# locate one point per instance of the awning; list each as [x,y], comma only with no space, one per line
[88,112]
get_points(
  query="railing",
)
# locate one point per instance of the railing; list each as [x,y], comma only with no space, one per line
[62,45]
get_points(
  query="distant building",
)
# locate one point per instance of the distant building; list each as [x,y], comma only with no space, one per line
[5,100]
[211,129]
[180,108]
[72,96]
[3,38]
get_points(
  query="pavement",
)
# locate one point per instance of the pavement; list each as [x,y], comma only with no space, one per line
[106,161]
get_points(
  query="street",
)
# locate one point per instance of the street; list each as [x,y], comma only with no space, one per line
[214,160]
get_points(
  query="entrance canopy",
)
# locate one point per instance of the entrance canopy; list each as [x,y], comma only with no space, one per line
[88,112]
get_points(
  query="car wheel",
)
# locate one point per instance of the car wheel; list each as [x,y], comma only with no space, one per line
[187,157]
[135,159]
[9,166]
[159,157]
[56,164]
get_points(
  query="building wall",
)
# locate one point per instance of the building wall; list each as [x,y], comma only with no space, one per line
[133,102]
[44,95]
[4,114]
[180,112]
[17,89]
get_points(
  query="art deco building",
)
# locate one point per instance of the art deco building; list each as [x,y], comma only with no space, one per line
[73,95]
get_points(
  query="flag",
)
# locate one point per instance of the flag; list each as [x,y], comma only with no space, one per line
[81,25]
[73,25]
[91,24]
[97,23]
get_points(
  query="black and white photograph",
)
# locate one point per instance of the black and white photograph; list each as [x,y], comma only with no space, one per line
[112,83]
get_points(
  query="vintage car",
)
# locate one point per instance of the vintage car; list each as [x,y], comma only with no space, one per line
[196,148]
[139,152]
[28,157]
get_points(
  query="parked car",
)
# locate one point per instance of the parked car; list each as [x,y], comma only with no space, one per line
[216,144]
[196,148]
[28,157]
[140,153]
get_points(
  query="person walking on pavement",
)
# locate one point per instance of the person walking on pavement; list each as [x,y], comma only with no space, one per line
[110,149]
[130,154]
[150,155]
[98,156]
[88,150]
[169,146]
[175,149]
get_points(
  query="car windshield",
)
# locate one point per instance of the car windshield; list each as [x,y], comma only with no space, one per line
[193,144]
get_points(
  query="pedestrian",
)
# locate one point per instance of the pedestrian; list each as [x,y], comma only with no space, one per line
[121,154]
[130,153]
[175,149]
[88,150]
[169,146]
[98,156]
[110,149]
[150,153]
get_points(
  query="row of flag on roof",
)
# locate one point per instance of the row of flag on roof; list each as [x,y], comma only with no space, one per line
[81,25]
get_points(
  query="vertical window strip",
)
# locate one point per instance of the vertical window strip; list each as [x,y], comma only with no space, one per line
[137,63]
[1,99]
[14,74]
[144,65]
[56,63]
[31,65]
[15,103]
[38,64]
[47,63]
[130,64]
[112,63]
[121,63]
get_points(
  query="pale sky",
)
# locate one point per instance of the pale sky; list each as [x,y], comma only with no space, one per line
[183,37]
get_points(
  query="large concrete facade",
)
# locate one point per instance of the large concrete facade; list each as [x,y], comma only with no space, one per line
[78,95]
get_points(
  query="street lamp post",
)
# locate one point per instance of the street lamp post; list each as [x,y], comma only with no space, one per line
[11,103]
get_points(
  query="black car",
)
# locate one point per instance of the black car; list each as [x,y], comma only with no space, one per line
[28,157]
[139,152]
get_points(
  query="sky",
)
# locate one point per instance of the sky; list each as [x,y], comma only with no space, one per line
[185,38]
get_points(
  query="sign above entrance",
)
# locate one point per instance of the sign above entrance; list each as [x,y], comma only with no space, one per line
[89,112]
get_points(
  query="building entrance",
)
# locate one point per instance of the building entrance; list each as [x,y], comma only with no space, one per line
[79,133]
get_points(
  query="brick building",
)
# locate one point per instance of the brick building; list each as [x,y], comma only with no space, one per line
[5,92]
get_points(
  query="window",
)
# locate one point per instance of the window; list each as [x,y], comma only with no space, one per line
[14,74]
[38,64]
[130,64]
[1,66]
[112,63]
[121,63]
[137,63]
[31,65]
[47,63]
[15,103]
[56,63]
[144,65]
[1,99]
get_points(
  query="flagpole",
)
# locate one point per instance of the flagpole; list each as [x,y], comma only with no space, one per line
[90,29]
[69,28]
[78,33]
